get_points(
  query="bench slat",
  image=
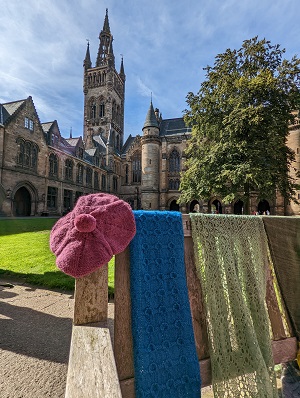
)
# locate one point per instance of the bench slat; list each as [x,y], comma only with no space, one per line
[123,346]
[283,351]
[92,371]
[196,303]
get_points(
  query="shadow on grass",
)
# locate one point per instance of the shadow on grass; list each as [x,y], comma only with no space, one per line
[51,280]
[14,226]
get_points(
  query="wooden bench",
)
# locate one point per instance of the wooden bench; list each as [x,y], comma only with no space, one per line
[101,358]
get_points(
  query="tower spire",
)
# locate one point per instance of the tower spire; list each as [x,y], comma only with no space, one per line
[105,51]
[122,73]
[151,120]
[87,64]
[106,27]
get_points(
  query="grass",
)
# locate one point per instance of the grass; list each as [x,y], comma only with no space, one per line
[25,254]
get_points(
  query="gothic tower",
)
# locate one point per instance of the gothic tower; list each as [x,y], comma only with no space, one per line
[104,91]
[151,143]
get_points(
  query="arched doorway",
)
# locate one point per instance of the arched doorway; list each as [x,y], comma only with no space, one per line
[238,207]
[22,203]
[194,206]
[174,206]
[263,207]
[216,207]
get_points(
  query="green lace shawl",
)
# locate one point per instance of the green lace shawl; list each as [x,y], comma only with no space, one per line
[231,259]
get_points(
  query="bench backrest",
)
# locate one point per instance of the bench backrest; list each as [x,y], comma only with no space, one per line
[91,306]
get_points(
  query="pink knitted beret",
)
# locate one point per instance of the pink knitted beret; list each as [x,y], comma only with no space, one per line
[99,226]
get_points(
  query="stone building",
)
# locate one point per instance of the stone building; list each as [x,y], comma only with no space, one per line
[42,173]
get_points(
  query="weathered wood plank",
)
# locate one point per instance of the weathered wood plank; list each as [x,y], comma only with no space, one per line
[122,329]
[195,298]
[92,371]
[273,309]
[127,388]
[91,297]
[284,350]
[186,224]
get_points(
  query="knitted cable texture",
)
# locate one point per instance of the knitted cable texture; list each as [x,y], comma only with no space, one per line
[165,358]
[231,260]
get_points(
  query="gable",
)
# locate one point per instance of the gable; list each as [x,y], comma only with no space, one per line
[22,122]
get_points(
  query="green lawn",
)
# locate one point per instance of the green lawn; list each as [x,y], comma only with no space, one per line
[25,254]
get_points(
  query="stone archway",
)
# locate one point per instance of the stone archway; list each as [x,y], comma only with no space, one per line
[216,207]
[263,207]
[238,207]
[22,203]
[194,206]
[174,206]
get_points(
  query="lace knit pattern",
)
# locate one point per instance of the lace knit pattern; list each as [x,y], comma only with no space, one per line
[165,358]
[231,260]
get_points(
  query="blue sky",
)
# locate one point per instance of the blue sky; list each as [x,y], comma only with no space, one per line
[165,44]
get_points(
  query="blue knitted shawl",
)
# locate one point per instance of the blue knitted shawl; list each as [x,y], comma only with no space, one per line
[165,358]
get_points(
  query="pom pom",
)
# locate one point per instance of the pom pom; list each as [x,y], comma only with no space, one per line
[85,223]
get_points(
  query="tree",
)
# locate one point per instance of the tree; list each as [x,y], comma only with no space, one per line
[239,120]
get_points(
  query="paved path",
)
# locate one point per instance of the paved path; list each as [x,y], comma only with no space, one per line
[35,335]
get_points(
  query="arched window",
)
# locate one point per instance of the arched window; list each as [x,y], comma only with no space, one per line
[102,109]
[174,184]
[69,170]
[114,111]
[115,183]
[126,174]
[103,182]
[93,111]
[53,165]
[174,206]
[79,176]
[27,155]
[118,116]
[136,167]
[174,162]
[96,180]
[80,152]
[92,108]
[89,176]
[21,152]
[34,155]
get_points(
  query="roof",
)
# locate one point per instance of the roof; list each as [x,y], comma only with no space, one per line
[72,141]
[99,140]
[11,107]
[8,109]
[47,126]
[91,151]
[173,127]
[151,120]
[127,144]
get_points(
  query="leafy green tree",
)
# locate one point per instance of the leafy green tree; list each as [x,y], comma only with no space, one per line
[239,120]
